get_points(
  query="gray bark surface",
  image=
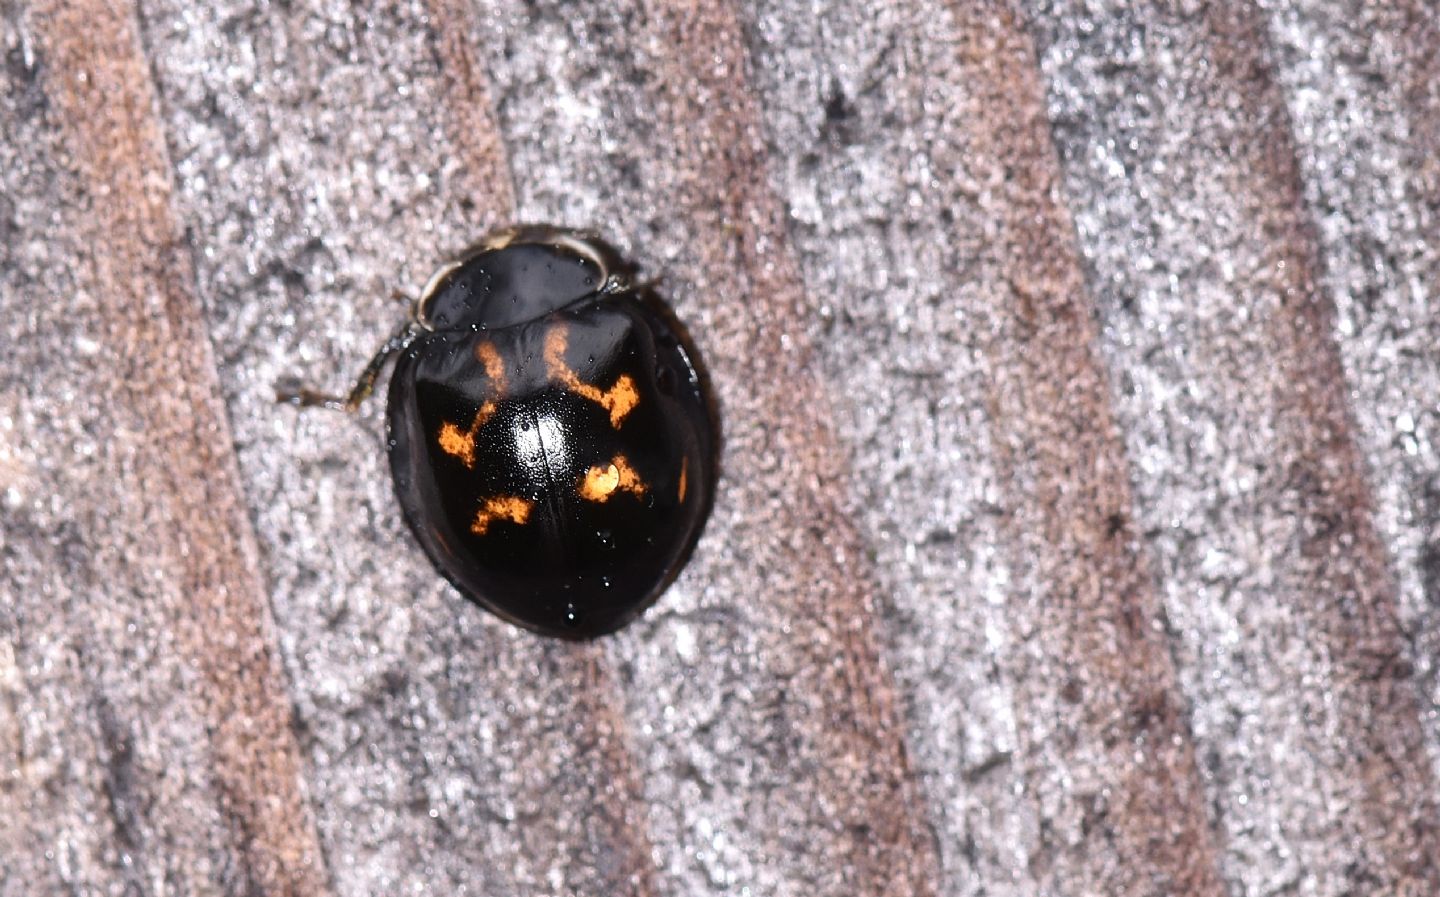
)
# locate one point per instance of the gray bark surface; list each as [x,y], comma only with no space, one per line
[1079,526]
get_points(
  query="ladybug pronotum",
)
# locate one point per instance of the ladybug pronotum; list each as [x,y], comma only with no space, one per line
[551,438]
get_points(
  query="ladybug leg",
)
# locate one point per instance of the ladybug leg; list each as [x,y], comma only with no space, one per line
[304,397]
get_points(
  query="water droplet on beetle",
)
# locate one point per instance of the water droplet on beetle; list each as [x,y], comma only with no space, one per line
[604,582]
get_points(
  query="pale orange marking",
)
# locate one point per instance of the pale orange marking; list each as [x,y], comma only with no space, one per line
[684,465]
[508,507]
[599,483]
[619,400]
[461,443]
[489,358]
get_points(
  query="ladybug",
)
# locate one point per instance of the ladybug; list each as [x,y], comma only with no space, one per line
[551,436]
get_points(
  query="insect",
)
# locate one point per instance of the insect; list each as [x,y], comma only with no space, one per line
[551,437]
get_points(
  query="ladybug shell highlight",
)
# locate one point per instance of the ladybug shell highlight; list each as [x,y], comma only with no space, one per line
[550,438]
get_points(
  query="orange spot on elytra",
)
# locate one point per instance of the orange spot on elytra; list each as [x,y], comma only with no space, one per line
[461,443]
[619,400]
[489,358]
[508,507]
[680,493]
[599,483]
[455,442]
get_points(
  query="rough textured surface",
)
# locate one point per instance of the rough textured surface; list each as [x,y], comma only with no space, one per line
[1080,523]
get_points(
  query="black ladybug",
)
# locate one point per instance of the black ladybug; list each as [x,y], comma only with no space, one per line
[551,438]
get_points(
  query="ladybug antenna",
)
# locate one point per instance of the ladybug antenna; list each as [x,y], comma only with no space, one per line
[294,393]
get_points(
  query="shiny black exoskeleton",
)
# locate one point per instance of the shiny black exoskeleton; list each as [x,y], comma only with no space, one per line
[551,439]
